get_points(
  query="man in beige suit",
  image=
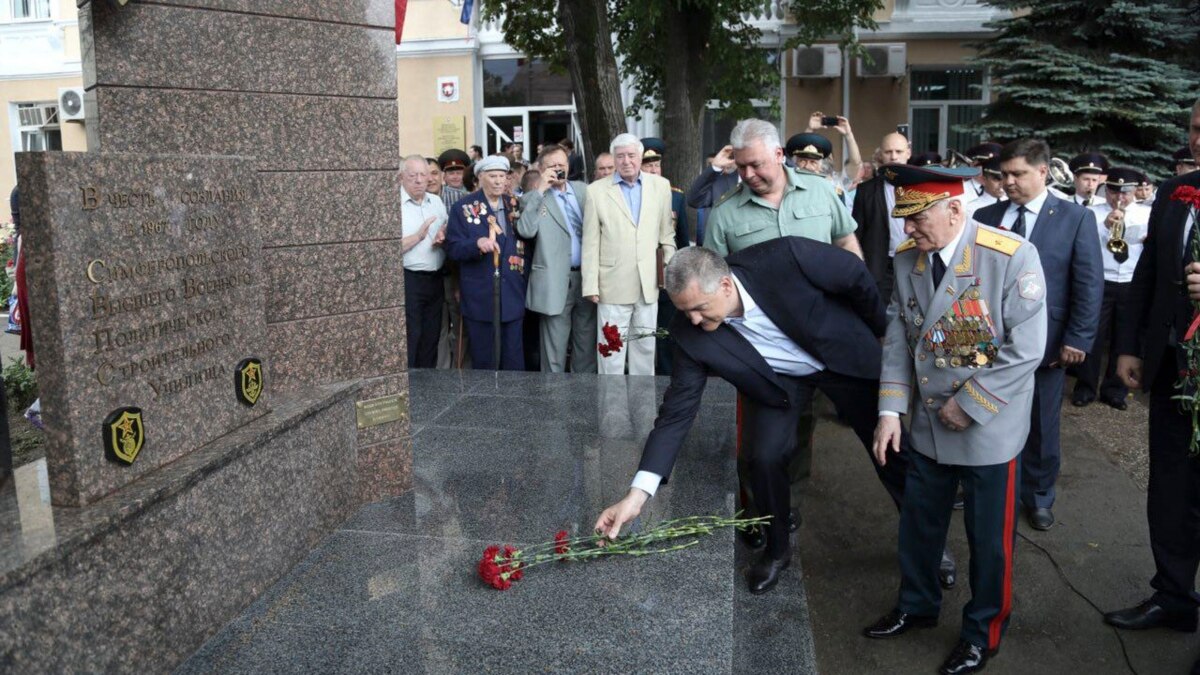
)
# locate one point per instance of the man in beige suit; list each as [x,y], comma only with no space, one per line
[626,220]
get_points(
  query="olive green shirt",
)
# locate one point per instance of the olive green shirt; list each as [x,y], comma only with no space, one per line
[810,208]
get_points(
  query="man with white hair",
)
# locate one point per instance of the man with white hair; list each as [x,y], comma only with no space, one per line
[423,226]
[626,220]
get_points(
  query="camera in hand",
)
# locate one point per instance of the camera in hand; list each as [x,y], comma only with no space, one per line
[559,174]
[828,121]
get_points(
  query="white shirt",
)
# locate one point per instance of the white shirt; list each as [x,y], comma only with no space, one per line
[424,257]
[946,253]
[1034,207]
[1095,200]
[896,234]
[777,349]
[1137,226]
[979,202]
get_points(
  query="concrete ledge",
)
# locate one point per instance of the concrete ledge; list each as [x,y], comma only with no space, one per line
[139,579]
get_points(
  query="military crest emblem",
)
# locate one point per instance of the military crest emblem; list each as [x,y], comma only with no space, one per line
[248,381]
[124,434]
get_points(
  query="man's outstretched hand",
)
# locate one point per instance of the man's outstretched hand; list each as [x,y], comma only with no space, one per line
[610,522]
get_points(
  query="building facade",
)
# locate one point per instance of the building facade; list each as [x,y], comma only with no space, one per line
[462,85]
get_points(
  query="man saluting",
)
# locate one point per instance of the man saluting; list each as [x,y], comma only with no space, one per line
[778,321]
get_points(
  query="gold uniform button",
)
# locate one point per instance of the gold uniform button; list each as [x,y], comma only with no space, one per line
[956,384]
[929,401]
[921,357]
[924,380]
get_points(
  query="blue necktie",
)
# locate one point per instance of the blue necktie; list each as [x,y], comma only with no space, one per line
[1019,226]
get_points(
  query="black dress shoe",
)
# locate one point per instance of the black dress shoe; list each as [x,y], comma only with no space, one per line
[1040,518]
[1151,615]
[1082,399]
[896,623]
[764,574]
[947,571]
[793,520]
[752,537]
[1117,403]
[966,658]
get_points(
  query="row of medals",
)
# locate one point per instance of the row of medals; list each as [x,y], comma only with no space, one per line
[960,340]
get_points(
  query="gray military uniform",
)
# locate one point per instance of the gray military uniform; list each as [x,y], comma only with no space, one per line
[977,338]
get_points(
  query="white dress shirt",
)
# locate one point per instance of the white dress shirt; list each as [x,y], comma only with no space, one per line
[1137,226]
[780,352]
[947,255]
[980,202]
[1033,208]
[896,234]
[424,257]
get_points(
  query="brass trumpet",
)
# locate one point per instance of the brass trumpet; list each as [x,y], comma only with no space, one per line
[1060,175]
[1116,238]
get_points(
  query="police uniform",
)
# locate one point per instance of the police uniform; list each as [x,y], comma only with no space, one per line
[991,167]
[741,219]
[453,160]
[977,336]
[1183,160]
[981,155]
[1120,259]
[653,150]
[1089,162]
[814,146]
[473,218]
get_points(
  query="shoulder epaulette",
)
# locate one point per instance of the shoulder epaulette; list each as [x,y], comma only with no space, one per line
[905,245]
[728,193]
[998,241]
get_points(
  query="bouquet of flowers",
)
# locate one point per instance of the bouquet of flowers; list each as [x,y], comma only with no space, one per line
[614,341]
[500,566]
[1189,377]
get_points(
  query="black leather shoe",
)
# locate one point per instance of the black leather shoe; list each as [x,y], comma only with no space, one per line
[896,623]
[1117,403]
[966,658]
[752,537]
[794,520]
[764,574]
[1039,518]
[1151,615]
[1082,399]
[947,571]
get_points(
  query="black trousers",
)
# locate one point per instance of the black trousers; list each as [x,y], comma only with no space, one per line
[1042,457]
[990,514]
[481,339]
[770,435]
[1089,373]
[1173,499]
[424,295]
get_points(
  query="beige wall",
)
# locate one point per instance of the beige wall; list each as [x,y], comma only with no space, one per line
[417,82]
[877,104]
[29,91]
[432,19]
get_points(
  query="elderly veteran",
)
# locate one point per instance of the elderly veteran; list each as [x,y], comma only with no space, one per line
[966,331]
[482,236]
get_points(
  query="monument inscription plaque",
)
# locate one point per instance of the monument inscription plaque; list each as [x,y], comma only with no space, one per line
[145,285]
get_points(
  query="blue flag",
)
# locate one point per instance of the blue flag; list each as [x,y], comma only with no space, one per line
[468,5]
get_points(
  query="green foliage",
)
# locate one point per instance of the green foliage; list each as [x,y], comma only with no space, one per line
[20,384]
[1113,76]
[727,62]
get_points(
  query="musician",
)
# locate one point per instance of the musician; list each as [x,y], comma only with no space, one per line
[1089,169]
[979,155]
[992,181]
[1122,224]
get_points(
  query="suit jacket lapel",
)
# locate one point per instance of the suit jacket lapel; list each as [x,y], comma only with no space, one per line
[555,210]
[614,192]
[1176,220]
[732,341]
[1041,226]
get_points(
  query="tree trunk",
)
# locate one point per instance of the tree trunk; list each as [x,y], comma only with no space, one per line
[685,89]
[594,76]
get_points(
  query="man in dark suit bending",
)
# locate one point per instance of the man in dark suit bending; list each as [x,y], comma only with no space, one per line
[778,320]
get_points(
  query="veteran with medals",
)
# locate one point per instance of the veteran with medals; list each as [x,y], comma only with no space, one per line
[966,331]
[482,236]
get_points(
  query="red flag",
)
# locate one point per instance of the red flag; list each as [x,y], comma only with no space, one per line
[401,9]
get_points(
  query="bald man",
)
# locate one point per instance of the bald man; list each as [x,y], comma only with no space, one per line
[878,232]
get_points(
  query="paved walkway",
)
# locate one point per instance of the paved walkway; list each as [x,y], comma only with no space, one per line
[1096,558]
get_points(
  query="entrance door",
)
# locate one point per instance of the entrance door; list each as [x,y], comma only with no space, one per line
[530,126]
[502,130]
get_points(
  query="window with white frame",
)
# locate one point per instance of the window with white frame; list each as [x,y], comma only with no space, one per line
[38,126]
[941,100]
[24,10]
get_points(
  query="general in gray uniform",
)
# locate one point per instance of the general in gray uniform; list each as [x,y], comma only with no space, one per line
[966,331]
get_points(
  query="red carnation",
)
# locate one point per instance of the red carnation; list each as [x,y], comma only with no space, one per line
[603,349]
[1188,195]
[560,542]
[489,571]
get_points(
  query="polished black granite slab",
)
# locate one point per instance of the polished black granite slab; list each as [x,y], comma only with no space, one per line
[512,458]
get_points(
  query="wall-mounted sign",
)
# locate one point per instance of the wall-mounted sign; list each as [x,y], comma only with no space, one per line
[448,89]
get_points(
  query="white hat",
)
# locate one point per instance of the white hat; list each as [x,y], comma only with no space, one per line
[492,163]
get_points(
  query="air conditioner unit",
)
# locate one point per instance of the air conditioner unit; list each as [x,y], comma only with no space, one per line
[70,103]
[886,60]
[818,61]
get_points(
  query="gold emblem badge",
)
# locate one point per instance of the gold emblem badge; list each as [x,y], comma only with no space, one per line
[124,434]
[248,381]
